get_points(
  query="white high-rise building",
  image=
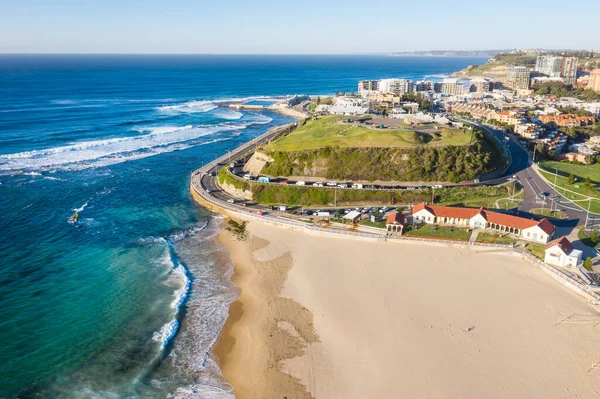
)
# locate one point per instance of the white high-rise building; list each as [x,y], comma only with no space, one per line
[396,86]
[558,67]
[548,65]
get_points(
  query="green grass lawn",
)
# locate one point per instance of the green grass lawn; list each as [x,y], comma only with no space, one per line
[582,171]
[580,190]
[489,238]
[433,231]
[536,250]
[550,214]
[480,196]
[367,222]
[324,132]
[585,239]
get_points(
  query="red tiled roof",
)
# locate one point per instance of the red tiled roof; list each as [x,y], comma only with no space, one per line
[395,217]
[491,216]
[563,243]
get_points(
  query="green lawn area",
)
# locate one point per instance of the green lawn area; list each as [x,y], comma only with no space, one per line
[585,239]
[536,250]
[367,222]
[581,171]
[489,238]
[324,132]
[433,231]
[580,190]
[550,214]
[480,196]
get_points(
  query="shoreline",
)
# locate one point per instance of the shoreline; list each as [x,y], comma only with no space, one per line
[407,321]
[252,346]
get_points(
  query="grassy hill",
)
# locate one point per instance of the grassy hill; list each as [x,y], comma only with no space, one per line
[366,157]
[330,132]
[497,66]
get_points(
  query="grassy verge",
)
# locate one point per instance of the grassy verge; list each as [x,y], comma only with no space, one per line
[586,239]
[578,191]
[550,214]
[479,196]
[367,222]
[581,171]
[489,238]
[536,250]
[432,231]
[225,178]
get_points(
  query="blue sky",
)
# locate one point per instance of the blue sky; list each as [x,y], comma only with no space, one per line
[304,26]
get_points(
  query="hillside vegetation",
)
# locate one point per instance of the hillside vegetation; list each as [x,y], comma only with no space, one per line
[420,163]
[497,66]
[328,132]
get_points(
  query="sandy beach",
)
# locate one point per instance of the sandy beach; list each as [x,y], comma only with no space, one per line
[340,318]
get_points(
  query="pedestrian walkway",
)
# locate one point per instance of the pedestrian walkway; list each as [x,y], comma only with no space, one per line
[474,235]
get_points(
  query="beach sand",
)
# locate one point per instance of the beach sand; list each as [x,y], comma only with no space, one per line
[341,318]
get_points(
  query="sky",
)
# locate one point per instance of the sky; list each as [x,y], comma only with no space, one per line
[293,27]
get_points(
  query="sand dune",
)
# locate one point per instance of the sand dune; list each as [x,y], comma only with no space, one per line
[402,320]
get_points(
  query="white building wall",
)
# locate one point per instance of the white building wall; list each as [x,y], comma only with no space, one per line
[535,234]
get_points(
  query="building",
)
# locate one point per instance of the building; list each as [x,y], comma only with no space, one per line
[529,131]
[395,223]
[561,253]
[451,87]
[480,86]
[396,86]
[568,120]
[558,67]
[366,87]
[424,85]
[510,117]
[528,229]
[594,82]
[548,65]
[518,78]
[568,69]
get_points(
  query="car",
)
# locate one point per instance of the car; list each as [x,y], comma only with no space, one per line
[598,251]
[208,190]
[243,204]
[332,184]
[411,188]
[437,186]
[231,201]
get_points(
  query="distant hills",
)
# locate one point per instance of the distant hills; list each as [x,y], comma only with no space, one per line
[444,53]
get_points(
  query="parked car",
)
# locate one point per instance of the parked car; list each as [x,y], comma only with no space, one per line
[437,186]
[332,183]
[300,183]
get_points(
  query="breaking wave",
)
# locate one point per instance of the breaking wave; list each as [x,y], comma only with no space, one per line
[99,153]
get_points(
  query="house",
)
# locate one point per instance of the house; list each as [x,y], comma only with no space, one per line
[561,252]
[527,229]
[568,120]
[395,223]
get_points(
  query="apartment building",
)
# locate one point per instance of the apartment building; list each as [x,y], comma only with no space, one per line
[451,87]
[518,78]
[594,82]
[396,86]
[558,67]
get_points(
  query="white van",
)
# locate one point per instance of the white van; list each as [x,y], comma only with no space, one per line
[357,186]
[300,183]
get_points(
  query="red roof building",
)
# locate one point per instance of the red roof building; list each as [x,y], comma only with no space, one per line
[529,229]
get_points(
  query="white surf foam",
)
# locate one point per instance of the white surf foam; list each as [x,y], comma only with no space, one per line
[166,333]
[189,107]
[98,153]
[161,129]
[228,114]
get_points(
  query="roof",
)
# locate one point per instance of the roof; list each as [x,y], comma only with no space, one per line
[352,215]
[491,216]
[395,217]
[563,243]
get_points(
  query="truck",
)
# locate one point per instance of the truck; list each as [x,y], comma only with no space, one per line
[300,183]
[357,186]
[263,179]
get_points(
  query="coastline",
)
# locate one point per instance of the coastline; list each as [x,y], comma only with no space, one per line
[252,346]
[396,320]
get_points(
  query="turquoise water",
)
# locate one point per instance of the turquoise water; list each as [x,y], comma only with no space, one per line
[128,301]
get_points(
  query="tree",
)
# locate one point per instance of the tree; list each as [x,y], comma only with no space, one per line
[319,100]
[572,179]
[587,264]
[594,236]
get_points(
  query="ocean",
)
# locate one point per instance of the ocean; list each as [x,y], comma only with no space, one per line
[128,301]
